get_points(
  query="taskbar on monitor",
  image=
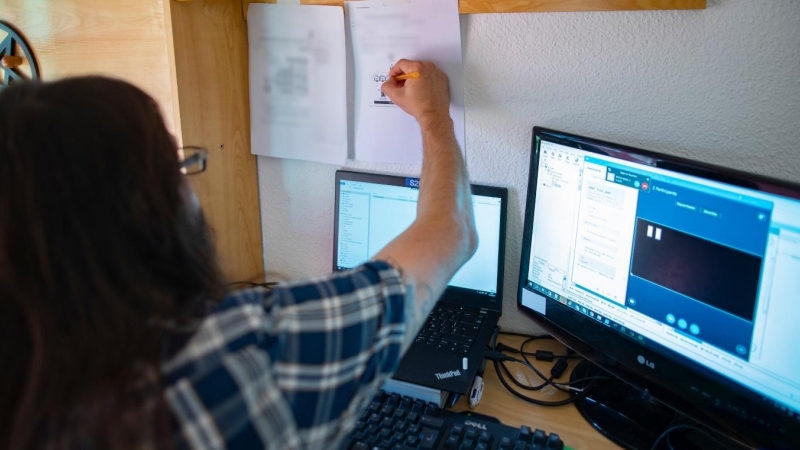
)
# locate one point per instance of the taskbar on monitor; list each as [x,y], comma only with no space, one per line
[588,312]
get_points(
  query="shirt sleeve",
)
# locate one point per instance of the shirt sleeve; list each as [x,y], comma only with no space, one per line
[333,341]
[291,368]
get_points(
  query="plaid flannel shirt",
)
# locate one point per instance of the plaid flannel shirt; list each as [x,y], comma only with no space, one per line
[294,367]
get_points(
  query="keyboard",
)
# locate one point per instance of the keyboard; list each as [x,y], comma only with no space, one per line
[451,328]
[394,422]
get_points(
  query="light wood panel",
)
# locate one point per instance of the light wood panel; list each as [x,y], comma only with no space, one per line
[509,6]
[210,50]
[566,421]
[124,39]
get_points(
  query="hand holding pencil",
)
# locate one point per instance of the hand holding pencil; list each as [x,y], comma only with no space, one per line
[419,88]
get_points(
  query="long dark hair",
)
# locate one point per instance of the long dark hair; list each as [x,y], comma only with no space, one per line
[99,244]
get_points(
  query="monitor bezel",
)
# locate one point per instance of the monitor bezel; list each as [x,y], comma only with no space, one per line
[678,382]
[465,297]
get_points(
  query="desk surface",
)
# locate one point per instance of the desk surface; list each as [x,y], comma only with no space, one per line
[574,430]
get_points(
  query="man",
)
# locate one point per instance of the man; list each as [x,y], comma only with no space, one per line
[115,328]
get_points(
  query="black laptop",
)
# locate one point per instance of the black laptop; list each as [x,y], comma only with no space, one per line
[370,211]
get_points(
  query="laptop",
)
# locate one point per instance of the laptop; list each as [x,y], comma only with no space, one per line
[371,210]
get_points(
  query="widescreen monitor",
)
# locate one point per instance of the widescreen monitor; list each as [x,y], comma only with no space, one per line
[679,277]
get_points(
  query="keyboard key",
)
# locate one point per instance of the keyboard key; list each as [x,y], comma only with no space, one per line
[470,331]
[374,419]
[412,441]
[400,426]
[462,339]
[554,442]
[431,422]
[471,434]
[539,437]
[428,438]
[524,434]
[397,437]
[360,446]
[467,444]
[451,443]
[431,409]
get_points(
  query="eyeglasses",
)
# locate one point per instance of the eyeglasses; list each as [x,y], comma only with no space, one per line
[192,159]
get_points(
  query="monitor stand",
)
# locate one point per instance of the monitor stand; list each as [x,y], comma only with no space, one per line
[630,417]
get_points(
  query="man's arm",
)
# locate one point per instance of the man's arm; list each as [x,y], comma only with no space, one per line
[443,236]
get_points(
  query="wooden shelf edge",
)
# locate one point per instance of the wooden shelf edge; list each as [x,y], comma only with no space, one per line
[516,6]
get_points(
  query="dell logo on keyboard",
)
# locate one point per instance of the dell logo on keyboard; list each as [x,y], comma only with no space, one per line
[642,360]
[446,375]
[475,424]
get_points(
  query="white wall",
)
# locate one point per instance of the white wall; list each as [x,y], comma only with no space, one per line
[720,85]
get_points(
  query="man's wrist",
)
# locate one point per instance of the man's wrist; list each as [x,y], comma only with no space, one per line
[435,120]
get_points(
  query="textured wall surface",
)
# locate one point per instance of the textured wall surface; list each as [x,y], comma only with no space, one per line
[720,85]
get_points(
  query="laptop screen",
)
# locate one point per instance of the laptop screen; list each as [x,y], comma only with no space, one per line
[371,213]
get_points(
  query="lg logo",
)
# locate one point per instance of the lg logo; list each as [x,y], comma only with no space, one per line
[642,360]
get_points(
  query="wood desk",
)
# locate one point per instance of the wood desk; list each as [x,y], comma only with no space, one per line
[566,421]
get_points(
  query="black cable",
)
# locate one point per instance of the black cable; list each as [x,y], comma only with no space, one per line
[685,427]
[581,380]
[534,400]
[546,382]
[530,336]
[499,359]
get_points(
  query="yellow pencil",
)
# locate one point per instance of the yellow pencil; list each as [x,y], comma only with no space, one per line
[406,76]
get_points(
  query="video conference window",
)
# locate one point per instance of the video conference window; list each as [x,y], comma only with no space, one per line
[719,276]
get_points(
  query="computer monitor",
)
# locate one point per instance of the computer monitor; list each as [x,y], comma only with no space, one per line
[679,277]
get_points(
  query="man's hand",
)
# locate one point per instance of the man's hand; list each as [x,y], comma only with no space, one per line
[425,97]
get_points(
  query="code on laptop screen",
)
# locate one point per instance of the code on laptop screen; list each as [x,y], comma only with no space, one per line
[371,215]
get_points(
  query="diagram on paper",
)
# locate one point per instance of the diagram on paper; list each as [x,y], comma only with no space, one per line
[379,98]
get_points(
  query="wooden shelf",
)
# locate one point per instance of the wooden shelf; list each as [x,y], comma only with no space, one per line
[511,6]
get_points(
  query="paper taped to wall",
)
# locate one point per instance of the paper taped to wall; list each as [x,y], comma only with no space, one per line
[381,33]
[298,103]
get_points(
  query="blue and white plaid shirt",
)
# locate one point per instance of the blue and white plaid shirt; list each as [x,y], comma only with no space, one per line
[294,367]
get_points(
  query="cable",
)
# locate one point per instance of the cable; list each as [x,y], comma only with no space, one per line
[685,427]
[499,359]
[529,336]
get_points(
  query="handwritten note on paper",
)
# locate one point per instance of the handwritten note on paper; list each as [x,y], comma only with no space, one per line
[298,103]
[382,32]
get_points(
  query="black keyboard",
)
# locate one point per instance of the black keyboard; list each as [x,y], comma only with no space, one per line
[451,328]
[395,422]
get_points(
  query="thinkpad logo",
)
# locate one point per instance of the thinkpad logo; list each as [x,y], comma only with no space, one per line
[475,424]
[446,375]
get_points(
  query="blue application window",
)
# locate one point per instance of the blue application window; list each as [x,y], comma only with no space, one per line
[696,258]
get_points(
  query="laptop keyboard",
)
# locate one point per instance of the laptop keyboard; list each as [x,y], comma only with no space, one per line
[451,328]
